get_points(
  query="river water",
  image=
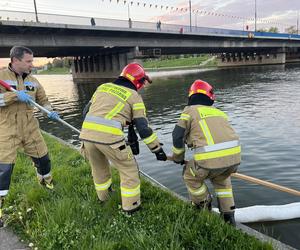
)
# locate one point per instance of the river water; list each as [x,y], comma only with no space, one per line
[263,106]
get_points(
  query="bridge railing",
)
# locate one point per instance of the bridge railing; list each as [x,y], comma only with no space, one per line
[125,24]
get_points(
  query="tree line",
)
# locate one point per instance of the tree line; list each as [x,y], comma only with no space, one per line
[290,30]
[65,62]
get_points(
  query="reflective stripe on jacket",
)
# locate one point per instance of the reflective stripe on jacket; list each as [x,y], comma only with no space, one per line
[100,124]
[217,150]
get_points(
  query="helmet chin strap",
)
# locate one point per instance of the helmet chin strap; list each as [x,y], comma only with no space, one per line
[139,86]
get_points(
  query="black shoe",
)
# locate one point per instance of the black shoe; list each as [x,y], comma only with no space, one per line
[229,218]
[1,222]
[132,211]
[111,189]
[203,205]
[47,183]
[1,211]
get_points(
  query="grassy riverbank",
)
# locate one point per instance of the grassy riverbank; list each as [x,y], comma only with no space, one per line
[179,62]
[152,64]
[71,217]
[54,71]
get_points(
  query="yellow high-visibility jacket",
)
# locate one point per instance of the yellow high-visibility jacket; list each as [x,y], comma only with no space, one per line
[112,108]
[207,131]
[17,121]
[8,100]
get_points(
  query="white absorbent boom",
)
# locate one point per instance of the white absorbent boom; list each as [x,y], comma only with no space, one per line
[267,213]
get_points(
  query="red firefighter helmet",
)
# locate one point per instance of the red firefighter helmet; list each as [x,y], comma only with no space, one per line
[202,87]
[136,74]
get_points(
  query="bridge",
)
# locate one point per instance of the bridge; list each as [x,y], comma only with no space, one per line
[102,50]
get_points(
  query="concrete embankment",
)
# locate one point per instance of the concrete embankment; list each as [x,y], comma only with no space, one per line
[9,241]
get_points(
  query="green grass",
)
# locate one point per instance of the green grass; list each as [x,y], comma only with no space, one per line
[54,71]
[181,62]
[71,217]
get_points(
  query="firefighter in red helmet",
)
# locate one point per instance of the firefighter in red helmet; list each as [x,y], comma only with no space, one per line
[135,73]
[216,146]
[114,106]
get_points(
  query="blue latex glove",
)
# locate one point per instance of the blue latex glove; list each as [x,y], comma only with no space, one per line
[23,96]
[53,115]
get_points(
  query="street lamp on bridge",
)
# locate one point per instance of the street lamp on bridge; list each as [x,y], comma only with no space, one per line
[35,10]
[298,22]
[128,11]
[196,21]
[190,4]
[255,27]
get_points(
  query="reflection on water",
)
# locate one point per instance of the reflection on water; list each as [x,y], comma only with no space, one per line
[263,104]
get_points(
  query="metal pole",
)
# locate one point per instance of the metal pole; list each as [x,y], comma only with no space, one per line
[256,181]
[36,15]
[128,12]
[255,16]
[298,22]
[8,87]
[190,15]
[266,183]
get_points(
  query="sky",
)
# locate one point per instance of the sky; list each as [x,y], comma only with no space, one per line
[229,14]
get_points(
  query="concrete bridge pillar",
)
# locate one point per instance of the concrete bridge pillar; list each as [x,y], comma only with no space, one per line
[293,55]
[101,67]
[251,58]
[77,64]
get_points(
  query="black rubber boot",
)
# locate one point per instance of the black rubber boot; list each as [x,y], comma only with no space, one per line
[229,218]
[203,205]
[132,211]
[206,204]
[1,222]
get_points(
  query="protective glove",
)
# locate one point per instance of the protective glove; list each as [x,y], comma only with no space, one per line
[53,115]
[23,96]
[160,155]
[135,148]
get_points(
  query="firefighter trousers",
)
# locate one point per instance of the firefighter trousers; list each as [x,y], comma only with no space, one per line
[33,145]
[194,177]
[121,157]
